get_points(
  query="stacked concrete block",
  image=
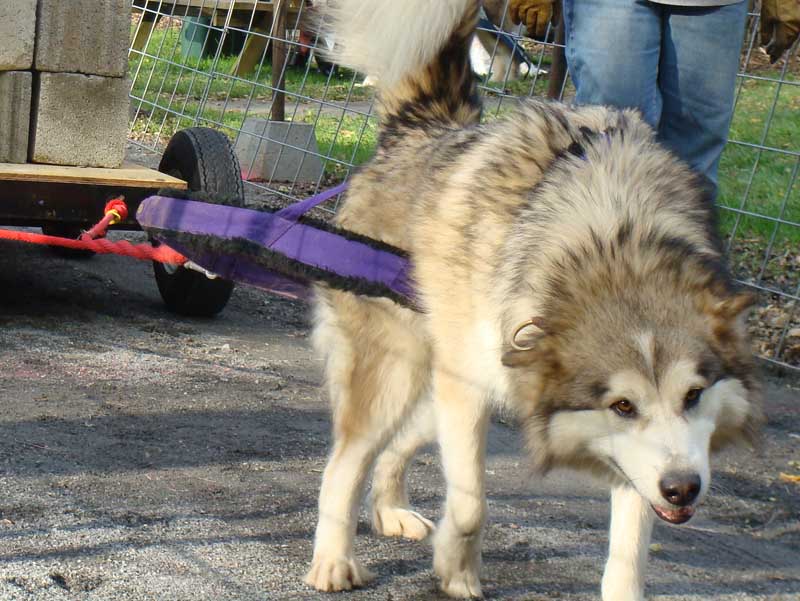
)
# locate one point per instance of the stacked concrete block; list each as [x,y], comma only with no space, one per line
[15,115]
[83,36]
[17,34]
[80,120]
[80,94]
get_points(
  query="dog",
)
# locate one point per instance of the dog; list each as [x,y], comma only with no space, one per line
[566,267]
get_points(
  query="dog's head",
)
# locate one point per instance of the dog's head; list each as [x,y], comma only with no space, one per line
[640,384]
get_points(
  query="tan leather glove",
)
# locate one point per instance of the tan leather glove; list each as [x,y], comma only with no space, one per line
[780,26]
[535,14]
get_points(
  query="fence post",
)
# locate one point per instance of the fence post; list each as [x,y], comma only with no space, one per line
[278,61]
[558,67]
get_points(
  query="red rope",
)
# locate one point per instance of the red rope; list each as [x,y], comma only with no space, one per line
[93,239]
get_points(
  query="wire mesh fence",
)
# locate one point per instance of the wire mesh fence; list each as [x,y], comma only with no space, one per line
[300,124]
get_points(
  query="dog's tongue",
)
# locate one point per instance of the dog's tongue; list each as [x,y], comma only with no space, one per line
[674,516]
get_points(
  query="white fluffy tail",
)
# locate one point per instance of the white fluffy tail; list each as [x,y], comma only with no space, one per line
[389,39]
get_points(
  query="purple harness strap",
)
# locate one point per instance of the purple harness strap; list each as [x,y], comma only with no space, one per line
[296,210]
[281,233]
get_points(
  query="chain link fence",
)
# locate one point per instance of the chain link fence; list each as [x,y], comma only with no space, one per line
[299,124]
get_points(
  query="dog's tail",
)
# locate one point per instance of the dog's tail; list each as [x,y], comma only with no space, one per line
[417,49]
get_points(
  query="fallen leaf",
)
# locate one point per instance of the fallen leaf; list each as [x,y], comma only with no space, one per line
[784,477]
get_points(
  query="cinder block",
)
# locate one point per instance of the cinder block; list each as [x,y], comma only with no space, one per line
[79,120]
[17,33]
[15,115]
[83,36]
[269,151]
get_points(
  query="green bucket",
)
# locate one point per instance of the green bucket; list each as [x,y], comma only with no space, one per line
[195,30]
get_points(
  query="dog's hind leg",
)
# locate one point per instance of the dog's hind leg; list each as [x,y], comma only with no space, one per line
[377,369]
[391,511]
[629,542]
[462,420]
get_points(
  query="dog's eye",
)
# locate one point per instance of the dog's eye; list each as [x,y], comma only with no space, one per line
[624,408]
[692,398]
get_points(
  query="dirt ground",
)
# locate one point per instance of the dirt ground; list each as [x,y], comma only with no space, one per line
[146,456]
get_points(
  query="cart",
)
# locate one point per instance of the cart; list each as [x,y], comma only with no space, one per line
[65,201]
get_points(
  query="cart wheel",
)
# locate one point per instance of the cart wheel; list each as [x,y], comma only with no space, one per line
[65,230]
[204,159]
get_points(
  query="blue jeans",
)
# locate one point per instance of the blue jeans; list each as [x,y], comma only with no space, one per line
[676,64]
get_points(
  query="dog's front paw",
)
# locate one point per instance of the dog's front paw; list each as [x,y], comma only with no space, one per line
[621,592]
[459,575]
[331,574]
[462,585]
[399,521]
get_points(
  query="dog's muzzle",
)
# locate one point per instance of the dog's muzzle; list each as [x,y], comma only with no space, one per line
[680,490]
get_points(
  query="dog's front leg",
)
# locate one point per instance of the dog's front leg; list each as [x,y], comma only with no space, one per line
[461,417]
[334,567]
[629,541]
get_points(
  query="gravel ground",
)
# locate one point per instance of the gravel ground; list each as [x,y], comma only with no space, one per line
[145,456]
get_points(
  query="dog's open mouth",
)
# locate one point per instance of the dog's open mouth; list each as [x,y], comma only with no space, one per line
[679,515]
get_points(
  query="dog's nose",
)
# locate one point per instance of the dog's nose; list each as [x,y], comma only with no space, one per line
[680,488]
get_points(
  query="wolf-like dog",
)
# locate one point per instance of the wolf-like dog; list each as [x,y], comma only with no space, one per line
[566,266]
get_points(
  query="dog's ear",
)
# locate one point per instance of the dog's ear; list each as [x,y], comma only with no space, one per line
[726,316]
[730,341]
[730,308]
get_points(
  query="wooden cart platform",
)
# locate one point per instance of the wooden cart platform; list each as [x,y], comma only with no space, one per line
[129,175]
[34,194]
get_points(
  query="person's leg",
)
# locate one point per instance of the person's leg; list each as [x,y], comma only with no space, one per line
[697,79]
[613,53]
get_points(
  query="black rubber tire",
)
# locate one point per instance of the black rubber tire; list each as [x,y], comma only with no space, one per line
[64,230]
[203,158]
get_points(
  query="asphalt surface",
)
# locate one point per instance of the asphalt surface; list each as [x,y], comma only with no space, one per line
[147,456]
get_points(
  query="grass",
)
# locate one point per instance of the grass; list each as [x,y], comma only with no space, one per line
[772,172]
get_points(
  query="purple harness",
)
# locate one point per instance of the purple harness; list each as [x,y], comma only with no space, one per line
[296,253]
